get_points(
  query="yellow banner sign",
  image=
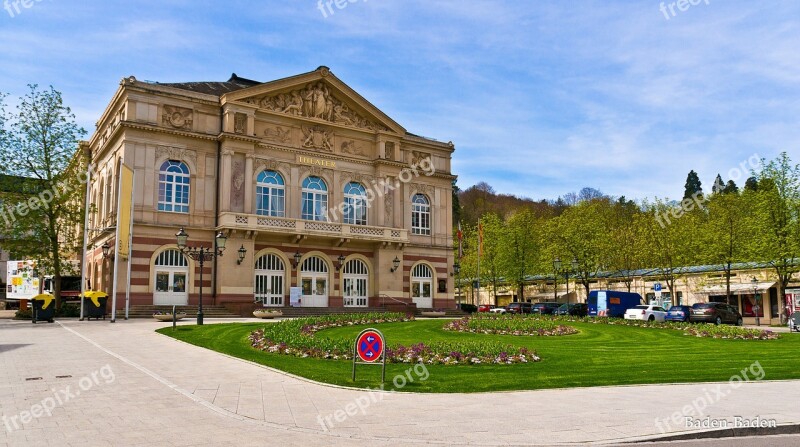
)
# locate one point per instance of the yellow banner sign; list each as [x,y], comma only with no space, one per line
[124,211]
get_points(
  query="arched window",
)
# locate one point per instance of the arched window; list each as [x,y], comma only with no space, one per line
[269,280]
[422,286]
[355,201]
[420,215]
[356,278]
[173,187]
[315,199]
[270,194]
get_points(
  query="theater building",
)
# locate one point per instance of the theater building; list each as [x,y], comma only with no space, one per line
[328,197]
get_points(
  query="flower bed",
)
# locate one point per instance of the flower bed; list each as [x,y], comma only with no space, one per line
[297,337]
[693,329]
[509,325]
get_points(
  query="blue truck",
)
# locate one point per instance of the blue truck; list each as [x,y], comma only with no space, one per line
[611,303]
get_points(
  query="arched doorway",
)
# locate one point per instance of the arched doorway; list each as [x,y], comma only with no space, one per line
[170,279]
[422,286]
[356,278]
[270,273]
[314,282]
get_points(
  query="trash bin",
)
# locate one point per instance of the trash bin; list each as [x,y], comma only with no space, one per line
[94,304]
[44,308]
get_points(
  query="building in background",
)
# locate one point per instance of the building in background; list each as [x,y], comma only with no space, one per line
[323,190]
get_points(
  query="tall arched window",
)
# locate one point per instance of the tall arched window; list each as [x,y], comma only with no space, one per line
[173,187]
[315,199]
[420,215]
[355,200]
[270,194]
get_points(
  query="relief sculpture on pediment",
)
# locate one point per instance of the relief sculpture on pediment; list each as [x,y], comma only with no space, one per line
[315,101]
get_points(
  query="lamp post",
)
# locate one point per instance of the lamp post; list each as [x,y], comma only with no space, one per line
[457,271]
[756,308]
[557,266]
[202,254]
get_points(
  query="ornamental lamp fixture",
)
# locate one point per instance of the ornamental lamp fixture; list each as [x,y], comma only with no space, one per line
[456,268]
[297,257]
[106,248]
[242,252]
[341,259]
[221,240]
[182,237]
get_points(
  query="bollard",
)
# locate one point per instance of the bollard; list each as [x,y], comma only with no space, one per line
[174,319]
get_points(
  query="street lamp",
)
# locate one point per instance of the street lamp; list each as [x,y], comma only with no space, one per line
[557,266]
[756,308]
[202,254]
[457,271]
[106,248]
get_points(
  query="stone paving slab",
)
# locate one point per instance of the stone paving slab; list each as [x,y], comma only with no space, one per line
[132,386]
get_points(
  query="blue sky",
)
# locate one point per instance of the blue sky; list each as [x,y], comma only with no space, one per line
[540,97]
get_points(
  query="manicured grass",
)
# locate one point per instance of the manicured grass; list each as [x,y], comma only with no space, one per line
[598,355]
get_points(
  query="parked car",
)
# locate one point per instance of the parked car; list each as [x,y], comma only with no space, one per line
[574,309]
[486,307]
[547,308]
[498,310]
[519,308]
[679,313]
[716,313]
[646,312]
[469,308]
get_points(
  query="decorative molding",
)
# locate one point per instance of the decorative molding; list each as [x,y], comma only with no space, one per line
[428,190]
[417,157]
[364,179]
[177,117]
[351,147]
[389,151]
[317,170]
[315,101]
[240,123]
[317,137]
[278,134]
[227,152]
[176,153]
[272,165]
[388,209]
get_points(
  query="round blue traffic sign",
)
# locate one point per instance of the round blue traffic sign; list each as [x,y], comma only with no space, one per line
[369,346]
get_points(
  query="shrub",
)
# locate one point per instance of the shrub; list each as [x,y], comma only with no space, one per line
[509,325]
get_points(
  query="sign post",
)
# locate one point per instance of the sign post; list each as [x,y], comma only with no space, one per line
[370,348]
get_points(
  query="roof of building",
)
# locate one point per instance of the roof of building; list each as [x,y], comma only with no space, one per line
[212,87]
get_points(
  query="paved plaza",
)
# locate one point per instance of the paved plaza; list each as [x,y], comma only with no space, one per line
[96,383]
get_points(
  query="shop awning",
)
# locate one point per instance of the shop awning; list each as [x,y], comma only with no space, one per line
[737,288]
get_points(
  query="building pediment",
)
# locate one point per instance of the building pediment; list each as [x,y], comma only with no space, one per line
[319,96]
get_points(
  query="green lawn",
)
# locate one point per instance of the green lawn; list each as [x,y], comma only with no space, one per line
[598,355]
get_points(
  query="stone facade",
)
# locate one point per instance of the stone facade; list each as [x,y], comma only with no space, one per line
[228,141]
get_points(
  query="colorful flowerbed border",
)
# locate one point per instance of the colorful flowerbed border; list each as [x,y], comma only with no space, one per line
[298,338]
[509,325]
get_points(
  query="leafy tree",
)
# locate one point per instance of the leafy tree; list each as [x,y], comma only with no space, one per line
[751,184]
[625,235]
[39,142]
[491,264]
[456,205]
[779,219]
[521,247]
[730,188]
[728,232]
[692,186]
[719,185]
[674,243]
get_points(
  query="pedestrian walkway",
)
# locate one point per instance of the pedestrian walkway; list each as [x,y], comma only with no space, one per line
[124,384]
